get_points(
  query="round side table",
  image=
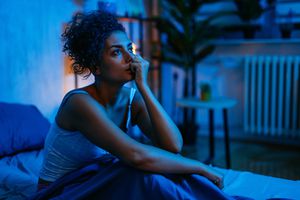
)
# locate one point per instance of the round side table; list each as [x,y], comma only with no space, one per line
[218,103]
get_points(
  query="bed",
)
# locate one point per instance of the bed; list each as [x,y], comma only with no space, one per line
[23,130]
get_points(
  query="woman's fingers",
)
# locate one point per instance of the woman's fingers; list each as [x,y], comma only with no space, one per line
[132,67]
[139,67]
[137,61]
[215,176]
[219,182]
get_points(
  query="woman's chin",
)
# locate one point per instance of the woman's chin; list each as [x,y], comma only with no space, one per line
[128,78]
[131,76]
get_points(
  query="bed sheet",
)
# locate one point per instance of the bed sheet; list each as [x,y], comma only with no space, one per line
[258,186]
[19,173]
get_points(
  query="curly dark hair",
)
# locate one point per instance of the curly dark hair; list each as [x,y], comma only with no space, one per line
[84,39]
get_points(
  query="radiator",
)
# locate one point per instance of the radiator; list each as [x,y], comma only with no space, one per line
[272,95]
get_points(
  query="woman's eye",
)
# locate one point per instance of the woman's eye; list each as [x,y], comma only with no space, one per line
[116,52]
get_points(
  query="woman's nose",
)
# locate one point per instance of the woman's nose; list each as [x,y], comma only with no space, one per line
[129,57]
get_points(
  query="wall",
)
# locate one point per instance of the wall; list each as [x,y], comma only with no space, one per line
[31,62]
[33,67]
[225,72]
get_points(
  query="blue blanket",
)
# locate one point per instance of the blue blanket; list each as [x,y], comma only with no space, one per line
[109,178]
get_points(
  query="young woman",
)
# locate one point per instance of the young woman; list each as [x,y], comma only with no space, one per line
[92,121]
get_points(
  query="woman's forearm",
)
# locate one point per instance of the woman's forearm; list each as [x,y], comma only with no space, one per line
[166,133]
[157,160]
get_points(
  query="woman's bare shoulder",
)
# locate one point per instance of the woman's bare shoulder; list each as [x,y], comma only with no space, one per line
[75,101]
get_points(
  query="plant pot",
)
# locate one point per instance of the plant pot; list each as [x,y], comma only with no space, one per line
[286,33]
[205,92]
[189,133]
[249,32]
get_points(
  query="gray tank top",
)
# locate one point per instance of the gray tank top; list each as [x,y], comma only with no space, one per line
[61,150]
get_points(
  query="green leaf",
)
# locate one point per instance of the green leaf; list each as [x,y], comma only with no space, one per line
[220,14]
[188,40]
[166,26]
[204,52]
[170,56]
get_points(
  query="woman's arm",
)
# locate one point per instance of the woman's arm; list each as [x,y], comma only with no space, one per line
[154,159]
[88,116]
[155,122]
[151,117]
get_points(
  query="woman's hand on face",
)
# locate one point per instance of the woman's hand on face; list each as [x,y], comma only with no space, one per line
[140,67]
[215,177]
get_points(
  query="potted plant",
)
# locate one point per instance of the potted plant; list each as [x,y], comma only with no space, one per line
[188,41]
[205,91]
[249,10]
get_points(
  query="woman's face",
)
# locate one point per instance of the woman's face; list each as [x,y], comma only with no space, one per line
[117,57]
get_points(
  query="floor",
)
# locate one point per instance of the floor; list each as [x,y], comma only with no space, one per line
[276,160]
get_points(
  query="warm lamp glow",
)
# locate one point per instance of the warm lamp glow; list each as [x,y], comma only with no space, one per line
[134,48]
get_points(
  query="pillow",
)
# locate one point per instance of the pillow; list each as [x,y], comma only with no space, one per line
[22,128]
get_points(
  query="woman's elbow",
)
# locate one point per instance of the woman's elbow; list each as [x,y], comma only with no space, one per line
[177,145]
[176,148]
[173,145]
[136,158]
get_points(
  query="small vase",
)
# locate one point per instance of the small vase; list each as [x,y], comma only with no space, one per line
[205,92]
